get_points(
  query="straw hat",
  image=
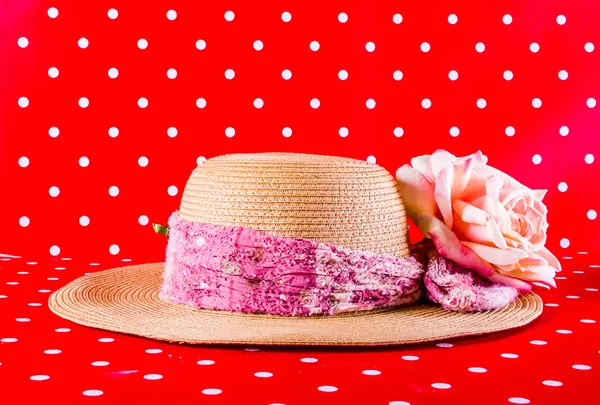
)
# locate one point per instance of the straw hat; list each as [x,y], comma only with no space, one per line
[347,214]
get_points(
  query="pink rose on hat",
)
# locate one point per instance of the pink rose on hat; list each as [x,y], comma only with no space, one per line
[480,218]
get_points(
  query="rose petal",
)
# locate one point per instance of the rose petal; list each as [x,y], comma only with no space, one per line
[440,160]
[422,164]
[469,213]
[494,255]
[522,286]
[488,234]
[541,274]
[442,195]
[539,194]
[463,169]
[448,245]
[550,258]
[416,191]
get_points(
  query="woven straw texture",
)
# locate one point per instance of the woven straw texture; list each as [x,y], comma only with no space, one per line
[126,300]
[343,201]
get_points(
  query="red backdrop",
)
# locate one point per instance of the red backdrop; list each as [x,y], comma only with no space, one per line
[517,80]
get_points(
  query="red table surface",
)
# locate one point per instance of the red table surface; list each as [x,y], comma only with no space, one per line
[518,80]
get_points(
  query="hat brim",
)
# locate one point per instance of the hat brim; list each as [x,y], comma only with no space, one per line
[126,300]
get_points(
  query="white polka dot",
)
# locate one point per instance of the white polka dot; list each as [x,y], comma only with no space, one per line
[552,383]
[425,47]
[538,342]
[507,19]
[171,15]
[142,43]
[398,132]
[83,102]
[52,12]
[113,191]
[370,46]
[114,249]
[397,75]
[592,214]
[315,103]
[591,102]
[23,42]
[452,19]
[23,161]
[573,297]
[84,220]
[453,75]
[508,75]
[592,289]
[53,72]
[287,132]
[582,367]
[62,330]
[480,47]
[113,132]
[563,75]
[229,15]
[286,16]
[113,73]
[454,132]
[564,331]
[589,47]
[172,132]
[106,340]
[40,377]
[23,320]
[445,345]
[399,403]
[142,102]
[563,131]
[211,391]
[201,103]
[371,372]
[52,351]
[100,363]
[44,291]
[536,103]
[201,44]
[206,362]
[426,103]
[258,45]
[587,321]
[397,18]
[343,18]
[518,400]
[536,159]
[371,159]
[83,43]
[84,161]
[8,340]
[308,360]
[481,103]
[172,191]
[12,283]
[509,355]
[410,358]
[589,158]
[92,393]
[24,222]
[314,46]
[53,132]
[143,161]
[143,220]
[343,74]
[562,186]
[229,74]
[343,132]
[54,250]
[561,19]
[263,374]
[200,160]
[112,13]
[229,132]
[286,74]
[370,104]
[509,131]
[258,103]
[23,102]
[477,370]
[441,386]
[171,73]
[327,388]
[534,47]
[153,377]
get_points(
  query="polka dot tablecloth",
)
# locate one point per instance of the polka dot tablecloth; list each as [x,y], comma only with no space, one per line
[107,106]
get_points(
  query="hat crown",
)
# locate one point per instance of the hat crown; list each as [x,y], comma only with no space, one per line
[347,202]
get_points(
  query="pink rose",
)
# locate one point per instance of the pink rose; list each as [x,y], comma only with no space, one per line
[480,218]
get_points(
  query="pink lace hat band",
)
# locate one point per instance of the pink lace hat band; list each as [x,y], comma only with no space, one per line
[240,269]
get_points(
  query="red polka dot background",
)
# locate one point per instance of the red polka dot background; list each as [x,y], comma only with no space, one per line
[106,108]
